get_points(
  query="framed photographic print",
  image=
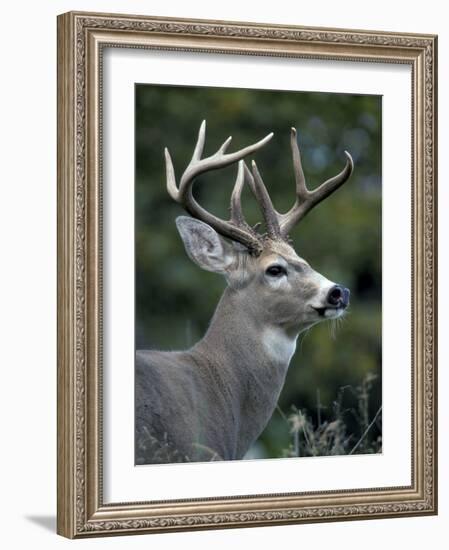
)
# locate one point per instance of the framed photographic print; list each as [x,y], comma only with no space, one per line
[246,326]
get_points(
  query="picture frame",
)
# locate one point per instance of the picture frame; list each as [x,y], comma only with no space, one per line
[83,511]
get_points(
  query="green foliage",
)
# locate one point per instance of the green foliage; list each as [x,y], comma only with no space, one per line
[341,238]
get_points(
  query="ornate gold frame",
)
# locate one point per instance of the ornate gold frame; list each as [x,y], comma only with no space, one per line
[81,38]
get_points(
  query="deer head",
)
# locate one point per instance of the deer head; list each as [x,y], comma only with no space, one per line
[276,287]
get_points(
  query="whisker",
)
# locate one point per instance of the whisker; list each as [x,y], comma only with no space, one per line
[334,328]
[303,337]
[334,325]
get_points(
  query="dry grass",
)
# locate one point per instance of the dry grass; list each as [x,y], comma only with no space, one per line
[311,437]
[161,452]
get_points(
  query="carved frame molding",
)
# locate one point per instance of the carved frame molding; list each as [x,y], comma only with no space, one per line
[81,39]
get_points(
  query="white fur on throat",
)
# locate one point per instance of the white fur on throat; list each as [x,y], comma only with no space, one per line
[278,345]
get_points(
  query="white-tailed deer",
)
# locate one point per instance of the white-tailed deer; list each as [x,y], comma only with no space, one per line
[212,401]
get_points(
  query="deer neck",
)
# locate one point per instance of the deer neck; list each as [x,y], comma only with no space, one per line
[251,361]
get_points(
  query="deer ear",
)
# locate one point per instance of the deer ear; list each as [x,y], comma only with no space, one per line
[204,246]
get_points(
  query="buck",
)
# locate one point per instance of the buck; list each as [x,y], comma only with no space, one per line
[212,401]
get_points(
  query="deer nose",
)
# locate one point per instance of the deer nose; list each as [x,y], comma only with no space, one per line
[338,296]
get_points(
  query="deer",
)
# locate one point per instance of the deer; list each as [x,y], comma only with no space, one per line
[212,401]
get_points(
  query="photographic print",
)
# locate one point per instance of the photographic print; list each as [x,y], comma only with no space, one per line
[258,268]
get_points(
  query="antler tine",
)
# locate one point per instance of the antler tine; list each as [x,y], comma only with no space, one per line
[219,159]
[199,147]
[235,228]
[170,174]
[301,189]
[237,216]
[270,216]
[306,199]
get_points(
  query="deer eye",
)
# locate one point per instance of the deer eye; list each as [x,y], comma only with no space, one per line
[276,270]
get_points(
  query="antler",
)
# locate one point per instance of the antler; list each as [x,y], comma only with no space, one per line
[279,225]
[305,199]
[236,227]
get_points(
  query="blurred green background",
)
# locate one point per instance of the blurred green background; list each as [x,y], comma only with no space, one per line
[341,238]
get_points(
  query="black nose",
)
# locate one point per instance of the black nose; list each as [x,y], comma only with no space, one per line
[338,296]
